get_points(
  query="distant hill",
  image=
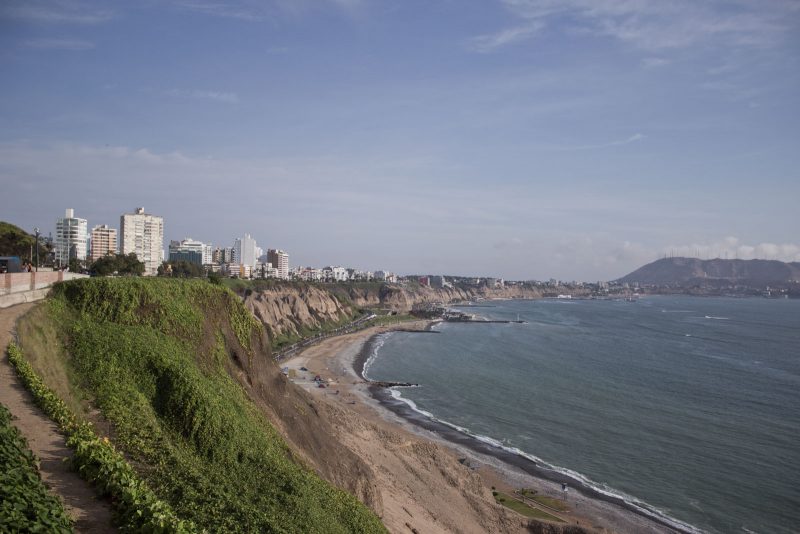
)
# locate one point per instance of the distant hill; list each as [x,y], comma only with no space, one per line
[684,272]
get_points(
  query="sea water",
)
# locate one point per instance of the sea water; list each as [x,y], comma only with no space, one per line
[690,406]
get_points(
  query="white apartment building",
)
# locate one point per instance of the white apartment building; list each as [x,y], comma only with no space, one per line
[334,274]
[265,270]
[239,270]
[280,260]
[309,274]
[143,235]
[104,241]
[72,238]
[188,246]
[244,251]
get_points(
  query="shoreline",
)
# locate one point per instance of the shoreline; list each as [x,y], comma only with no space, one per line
[345,360]
[457,437]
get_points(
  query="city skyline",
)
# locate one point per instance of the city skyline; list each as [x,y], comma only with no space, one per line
[524,140]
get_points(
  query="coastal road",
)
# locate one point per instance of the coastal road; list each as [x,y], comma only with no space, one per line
[90,513]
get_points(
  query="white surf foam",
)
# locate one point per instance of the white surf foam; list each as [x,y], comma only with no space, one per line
[377,343]
[641,506]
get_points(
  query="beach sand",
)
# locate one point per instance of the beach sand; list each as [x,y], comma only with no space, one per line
[424,487]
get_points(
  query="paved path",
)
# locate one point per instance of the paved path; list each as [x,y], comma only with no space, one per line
[91,514]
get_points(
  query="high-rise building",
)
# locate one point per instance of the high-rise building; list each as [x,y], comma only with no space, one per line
[191,251]
[244,251]
[72,238]
[280,260]
[104,241]
[143,235]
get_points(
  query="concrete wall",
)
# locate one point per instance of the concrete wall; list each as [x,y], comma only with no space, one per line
[16,288]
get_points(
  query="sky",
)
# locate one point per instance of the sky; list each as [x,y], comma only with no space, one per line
[572,139]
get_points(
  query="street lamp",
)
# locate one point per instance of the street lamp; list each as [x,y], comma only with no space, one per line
[36,231]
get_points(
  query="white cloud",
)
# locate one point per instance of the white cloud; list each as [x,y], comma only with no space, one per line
[230,98]
[654,62]
[54,12]
[58,44]
[657,25]
[490,42]
[732,248]
[567,148]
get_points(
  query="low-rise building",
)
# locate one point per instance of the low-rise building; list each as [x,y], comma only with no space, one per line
[192,251]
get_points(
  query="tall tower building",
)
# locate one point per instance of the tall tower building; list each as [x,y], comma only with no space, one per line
[104,241]
[244,251]
[280,260]
[72,238]
[143,234]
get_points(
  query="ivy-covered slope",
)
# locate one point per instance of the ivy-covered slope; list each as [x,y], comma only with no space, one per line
[157,357]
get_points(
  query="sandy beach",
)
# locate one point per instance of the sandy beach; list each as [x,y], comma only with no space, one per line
[429,481]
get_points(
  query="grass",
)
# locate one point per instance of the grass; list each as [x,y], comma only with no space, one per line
[137,508]
[152,356]
[521,508]
[383,320]
[281,341]
[25,503]
[551,502]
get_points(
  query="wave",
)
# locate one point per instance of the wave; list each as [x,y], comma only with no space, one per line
[578,479]
[377,343]
[717,318]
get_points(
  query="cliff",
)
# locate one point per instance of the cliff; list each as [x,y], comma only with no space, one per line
[292,310]
[180,376]
[405,298]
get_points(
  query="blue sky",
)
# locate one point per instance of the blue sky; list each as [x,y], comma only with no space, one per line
[575,139]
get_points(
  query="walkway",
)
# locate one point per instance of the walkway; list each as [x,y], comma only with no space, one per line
[91,514]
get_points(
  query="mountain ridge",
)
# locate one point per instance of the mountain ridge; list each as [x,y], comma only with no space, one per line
[682,272]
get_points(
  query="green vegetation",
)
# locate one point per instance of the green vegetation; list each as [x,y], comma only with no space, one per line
[551,502]
[383,320]
[521,508]
[181,269]
[14,241]
[153,355]
[25,503]
[137,507]
[117,263]
[281,341]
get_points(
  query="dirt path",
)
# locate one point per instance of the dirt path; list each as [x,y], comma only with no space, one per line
[91,514]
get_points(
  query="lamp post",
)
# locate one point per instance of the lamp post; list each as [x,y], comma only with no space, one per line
[36,231]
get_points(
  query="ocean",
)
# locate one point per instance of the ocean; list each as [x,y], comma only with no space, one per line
[687,408]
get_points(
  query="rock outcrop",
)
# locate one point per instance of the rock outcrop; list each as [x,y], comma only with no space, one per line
[293,309]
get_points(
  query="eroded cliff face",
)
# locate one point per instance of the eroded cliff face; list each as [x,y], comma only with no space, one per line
[291,309]
[404,299]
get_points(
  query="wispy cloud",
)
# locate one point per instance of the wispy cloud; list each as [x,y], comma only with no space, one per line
[234,10]
[259,10]
[57,44]
[492,41]
[654,62]
[620,142]
[54,12]
[733,248]
[230,98]
[656,25]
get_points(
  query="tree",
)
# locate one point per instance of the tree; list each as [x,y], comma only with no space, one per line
[75,265]
[118,263]
[14,241]
[181,269]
